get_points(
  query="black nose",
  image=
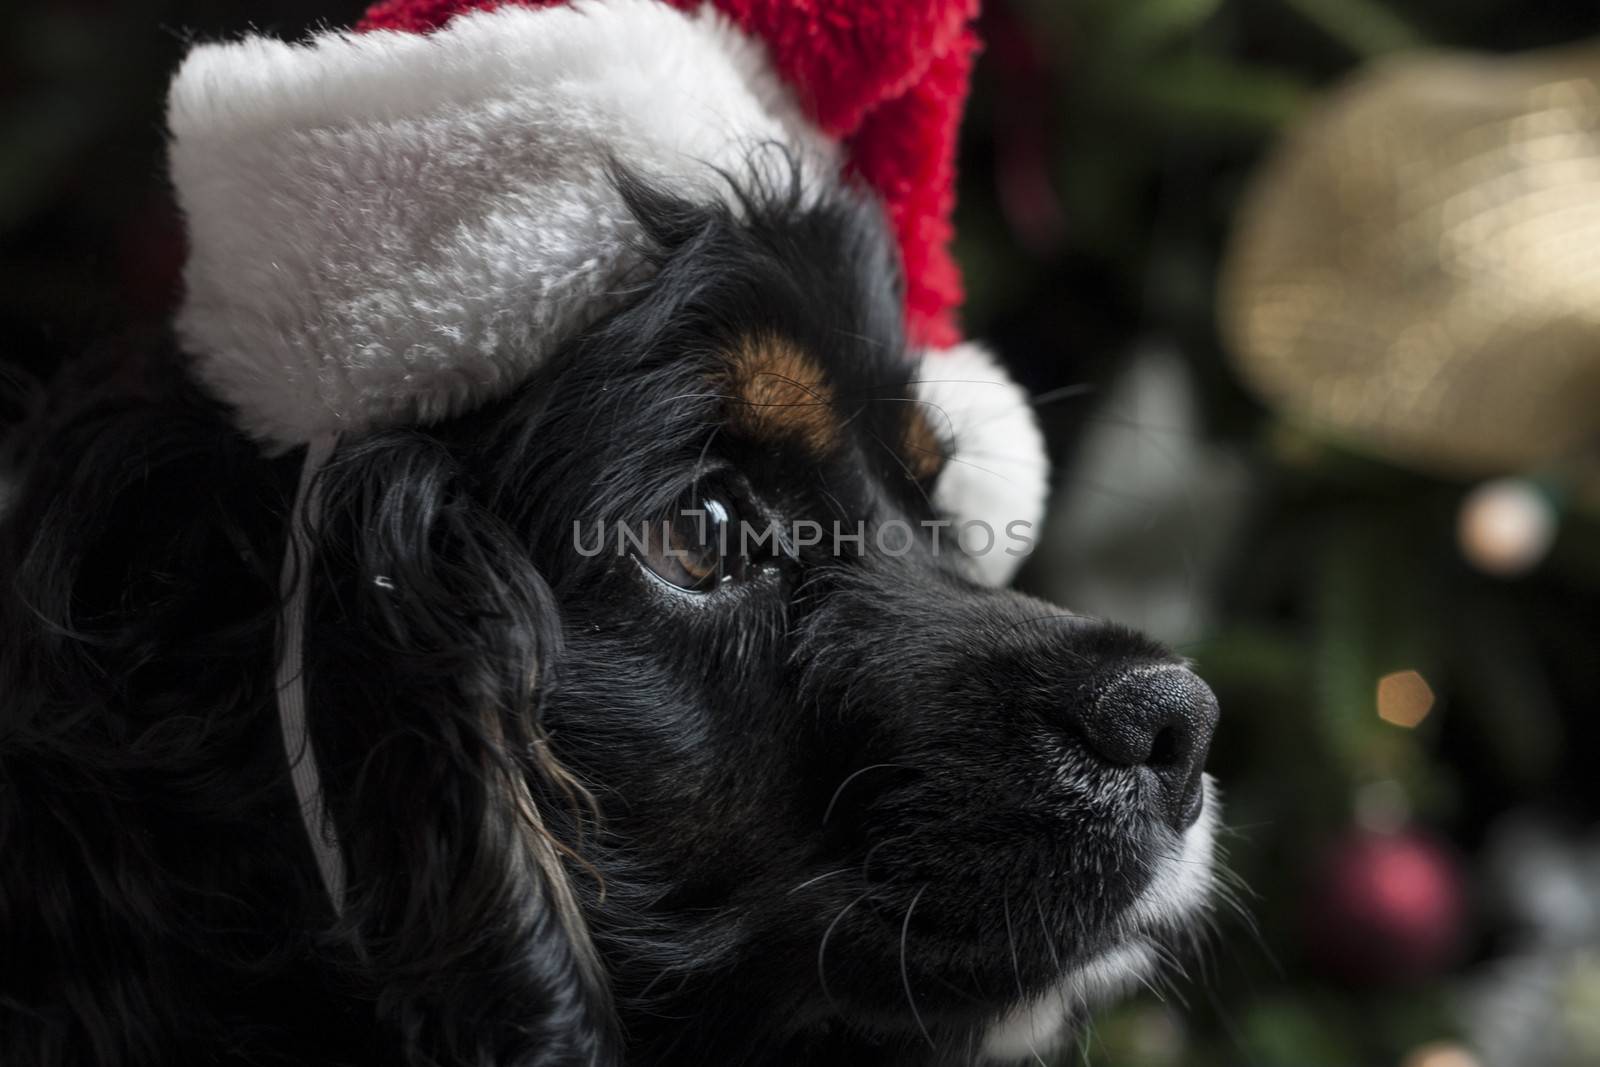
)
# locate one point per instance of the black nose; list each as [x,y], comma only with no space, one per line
[1161,718]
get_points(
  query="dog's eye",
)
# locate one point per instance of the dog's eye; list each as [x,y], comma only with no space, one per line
[695,547]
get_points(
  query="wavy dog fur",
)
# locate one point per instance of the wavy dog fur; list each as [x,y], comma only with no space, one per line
[586,819]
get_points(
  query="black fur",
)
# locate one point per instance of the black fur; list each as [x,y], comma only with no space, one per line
[857,750]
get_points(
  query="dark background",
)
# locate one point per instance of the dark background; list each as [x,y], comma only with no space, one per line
[1108,146]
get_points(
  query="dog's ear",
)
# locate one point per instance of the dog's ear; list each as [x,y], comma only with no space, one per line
[429,633]
[137,604]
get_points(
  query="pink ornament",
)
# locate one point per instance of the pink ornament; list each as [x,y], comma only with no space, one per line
[1385,908]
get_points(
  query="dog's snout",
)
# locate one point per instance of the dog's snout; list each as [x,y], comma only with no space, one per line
[1161,718]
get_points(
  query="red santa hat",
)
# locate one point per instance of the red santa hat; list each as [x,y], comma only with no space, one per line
[397,224]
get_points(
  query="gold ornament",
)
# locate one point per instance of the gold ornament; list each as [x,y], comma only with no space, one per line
[1417,270]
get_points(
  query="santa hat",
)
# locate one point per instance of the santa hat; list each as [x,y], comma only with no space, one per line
[398,224]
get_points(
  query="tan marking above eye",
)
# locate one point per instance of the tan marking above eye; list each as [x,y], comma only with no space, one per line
[923,451]
[777,391]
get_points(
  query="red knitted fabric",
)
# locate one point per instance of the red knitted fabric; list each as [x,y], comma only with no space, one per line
[888,78]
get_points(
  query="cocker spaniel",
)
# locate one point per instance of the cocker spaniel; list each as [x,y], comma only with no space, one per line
[653,712]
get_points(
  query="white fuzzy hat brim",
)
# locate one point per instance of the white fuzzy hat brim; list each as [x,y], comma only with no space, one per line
[390,227]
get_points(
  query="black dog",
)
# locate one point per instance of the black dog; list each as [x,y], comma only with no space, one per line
[708,801]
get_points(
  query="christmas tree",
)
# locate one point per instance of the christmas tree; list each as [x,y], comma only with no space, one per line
[1293,283]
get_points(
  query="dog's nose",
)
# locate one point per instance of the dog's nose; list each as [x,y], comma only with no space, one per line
[1161,718]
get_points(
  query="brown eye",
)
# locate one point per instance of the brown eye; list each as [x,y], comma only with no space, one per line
[696,546]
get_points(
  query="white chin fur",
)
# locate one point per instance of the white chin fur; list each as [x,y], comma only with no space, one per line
[1036,1028]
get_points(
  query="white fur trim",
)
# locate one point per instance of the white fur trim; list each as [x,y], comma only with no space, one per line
[997,471]
[390,227]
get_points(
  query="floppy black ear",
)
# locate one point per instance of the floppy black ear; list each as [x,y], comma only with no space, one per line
[137,601]
[429,630]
